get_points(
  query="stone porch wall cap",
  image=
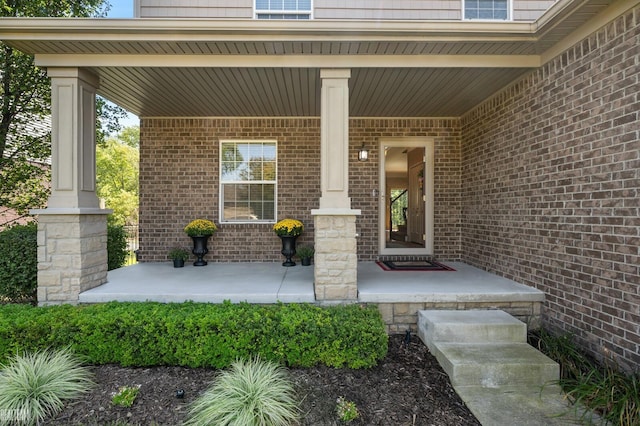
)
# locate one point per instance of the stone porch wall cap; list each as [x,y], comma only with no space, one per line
[70,211]
[336,212]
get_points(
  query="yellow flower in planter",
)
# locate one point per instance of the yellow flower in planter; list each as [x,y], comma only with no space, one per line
[288,227]
[200,227]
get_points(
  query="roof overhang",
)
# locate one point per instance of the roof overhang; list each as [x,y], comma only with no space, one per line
[196,67]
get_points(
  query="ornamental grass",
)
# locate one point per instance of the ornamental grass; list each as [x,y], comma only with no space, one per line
[250,393]
[34,386]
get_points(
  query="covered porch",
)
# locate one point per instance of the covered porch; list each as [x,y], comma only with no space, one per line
[398,294]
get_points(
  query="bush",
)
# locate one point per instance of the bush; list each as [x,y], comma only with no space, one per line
[34,386]
[116,246]
[19,263]
[199,334]
[251,393]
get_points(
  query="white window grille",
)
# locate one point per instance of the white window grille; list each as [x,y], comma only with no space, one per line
[486,9]
[248,181]
[283,9]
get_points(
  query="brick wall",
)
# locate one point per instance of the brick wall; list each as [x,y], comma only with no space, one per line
[179,182]
[551,188]
[179,175]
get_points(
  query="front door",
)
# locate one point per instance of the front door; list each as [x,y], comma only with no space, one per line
[406,196]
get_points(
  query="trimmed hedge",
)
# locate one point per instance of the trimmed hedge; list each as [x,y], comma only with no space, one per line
[19,262]
[198,334]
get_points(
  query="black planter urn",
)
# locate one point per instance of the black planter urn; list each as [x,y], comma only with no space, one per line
[200,249]
[288,249]
[178,263]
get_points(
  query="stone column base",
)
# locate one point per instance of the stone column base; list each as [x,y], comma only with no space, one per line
[336,257]
[72,253]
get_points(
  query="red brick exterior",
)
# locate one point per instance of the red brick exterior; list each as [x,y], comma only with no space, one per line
[540,184]
[551,188]
[179,178]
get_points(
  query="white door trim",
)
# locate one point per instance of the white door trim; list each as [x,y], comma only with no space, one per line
[410,142]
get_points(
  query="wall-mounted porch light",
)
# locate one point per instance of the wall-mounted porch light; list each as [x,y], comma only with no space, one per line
[363,154]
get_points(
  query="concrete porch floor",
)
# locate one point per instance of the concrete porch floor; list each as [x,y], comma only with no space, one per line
[271,282]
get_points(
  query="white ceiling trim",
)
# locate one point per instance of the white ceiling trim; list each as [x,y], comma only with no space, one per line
[291,61]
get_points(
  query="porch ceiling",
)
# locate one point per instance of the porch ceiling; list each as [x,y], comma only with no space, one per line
[158,67]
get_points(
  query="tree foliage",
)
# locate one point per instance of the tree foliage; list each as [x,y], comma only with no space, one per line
[117,175]
[25,108]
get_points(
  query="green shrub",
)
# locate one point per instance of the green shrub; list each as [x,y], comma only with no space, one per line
[199,334]
[116,246]
[34,386]
[250,393]
[19,263]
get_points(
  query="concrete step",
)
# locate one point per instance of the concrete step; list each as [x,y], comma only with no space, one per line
[492,365]
[503,380]
[470,326]
[521,406]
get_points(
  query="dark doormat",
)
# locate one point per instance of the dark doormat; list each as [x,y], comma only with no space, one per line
[413,265]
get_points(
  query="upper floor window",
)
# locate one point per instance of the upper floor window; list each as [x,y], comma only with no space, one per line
[248,181]
[486,9]
[283,9]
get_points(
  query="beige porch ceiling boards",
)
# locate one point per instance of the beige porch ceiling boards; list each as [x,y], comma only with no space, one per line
[198,67]
[277,92]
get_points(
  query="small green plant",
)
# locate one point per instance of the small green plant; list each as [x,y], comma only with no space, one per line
[178,253]
[35,385]
[253,392]
[125,396]
[347,410]
[305,252]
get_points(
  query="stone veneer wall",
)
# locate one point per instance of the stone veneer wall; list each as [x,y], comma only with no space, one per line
[399,317]
[179,176]
[72,256]
[551,188]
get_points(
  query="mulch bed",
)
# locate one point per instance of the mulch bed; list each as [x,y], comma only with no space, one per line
[407,388]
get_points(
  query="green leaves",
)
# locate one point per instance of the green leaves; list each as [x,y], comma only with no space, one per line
[18,263]
[117,178]
[199,335]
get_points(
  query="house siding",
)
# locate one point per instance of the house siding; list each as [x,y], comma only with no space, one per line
[179,181]
[551,188]
[523,10]
[530,10]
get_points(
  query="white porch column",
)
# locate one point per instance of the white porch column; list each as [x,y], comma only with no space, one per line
[336,258]
[72,230]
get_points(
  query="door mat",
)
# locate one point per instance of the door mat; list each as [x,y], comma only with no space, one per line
[413,265]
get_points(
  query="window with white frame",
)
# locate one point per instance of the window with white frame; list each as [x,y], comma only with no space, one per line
[486,9]
[283,9]
[248,181]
